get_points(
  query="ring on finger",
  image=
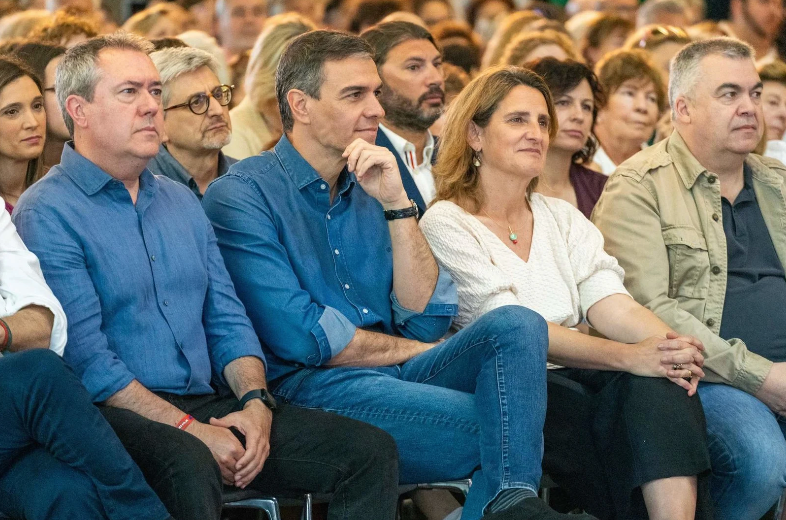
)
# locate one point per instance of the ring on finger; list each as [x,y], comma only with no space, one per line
[689,376]
[677,366]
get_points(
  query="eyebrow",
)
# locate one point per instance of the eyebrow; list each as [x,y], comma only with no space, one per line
[16,105]
[139,84]
[357,88]
[524,113]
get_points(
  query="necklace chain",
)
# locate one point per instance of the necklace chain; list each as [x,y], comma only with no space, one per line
[511,234]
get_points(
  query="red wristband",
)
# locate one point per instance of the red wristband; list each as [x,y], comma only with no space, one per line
[7,333]
[183,423]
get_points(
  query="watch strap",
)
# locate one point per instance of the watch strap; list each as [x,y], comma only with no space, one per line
[395,214]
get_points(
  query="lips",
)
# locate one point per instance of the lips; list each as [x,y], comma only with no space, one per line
[577,134]
[33,139]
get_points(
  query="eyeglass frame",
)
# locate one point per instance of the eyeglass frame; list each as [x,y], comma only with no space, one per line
[230,88]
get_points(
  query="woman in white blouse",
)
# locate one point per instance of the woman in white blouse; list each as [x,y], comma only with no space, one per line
[504,244]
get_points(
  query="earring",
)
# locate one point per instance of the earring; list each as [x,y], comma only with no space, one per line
[476,158]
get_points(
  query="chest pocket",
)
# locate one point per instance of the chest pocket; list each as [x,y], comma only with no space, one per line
[689,262]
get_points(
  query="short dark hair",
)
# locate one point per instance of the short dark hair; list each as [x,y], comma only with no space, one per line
[38,55]
[464,56]
[385,36]
[475,5]
[604,26]
[563,76]
[302,65]
[370,12]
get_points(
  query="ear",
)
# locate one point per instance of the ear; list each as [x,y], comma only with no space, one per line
[682,110]
[298,104]
[75,106]
[475,136]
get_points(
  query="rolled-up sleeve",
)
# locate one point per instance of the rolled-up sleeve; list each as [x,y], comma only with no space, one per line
[22,283]
[435,320]
[287,320]
[65,270]
[229,332]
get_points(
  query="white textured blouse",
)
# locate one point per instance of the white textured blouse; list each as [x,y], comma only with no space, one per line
[22,282]
[567,271]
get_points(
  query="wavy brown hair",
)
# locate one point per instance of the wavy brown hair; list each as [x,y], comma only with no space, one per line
[456,178]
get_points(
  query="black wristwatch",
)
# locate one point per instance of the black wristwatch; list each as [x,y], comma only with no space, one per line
[261,394]
[394,214]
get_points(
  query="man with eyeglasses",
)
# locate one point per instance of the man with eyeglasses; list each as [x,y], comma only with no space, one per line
[196,119]
[155,330]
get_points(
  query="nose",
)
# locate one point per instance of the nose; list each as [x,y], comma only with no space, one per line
[149,104]
[374,109]
[577,113]
[435,76]
[641,103]
[747,105]
[535,133]
[214,108]
[30,121]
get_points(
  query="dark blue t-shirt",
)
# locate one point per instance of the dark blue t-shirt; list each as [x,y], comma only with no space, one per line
[755,306]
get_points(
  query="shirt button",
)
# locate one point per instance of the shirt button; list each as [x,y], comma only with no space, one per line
[336,251]
[323,186]
[153,258]
[716,269]
[346,286]
[715,217]
[166,303]
[712,179]
[710,322]
[328,217]
[365,311]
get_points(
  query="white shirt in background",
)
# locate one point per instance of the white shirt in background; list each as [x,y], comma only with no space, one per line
[776,149]
[22,282]
[421,173]
[604,162]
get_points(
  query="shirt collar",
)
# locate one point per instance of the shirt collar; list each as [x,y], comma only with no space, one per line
[301,172]
[172,164]
[404,147]
[91,179]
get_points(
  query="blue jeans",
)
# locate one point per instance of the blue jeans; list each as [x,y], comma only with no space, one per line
[747,450]
[58,456]
[474,404]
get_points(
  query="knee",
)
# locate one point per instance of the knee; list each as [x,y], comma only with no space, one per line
[32,365]
[519,327]
[64,493]
[757,464]
[371,450]
[195,469]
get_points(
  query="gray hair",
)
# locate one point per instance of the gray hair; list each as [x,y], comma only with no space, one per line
[302,65]
[174,62]
[78,72]
[650,11]
[684,73]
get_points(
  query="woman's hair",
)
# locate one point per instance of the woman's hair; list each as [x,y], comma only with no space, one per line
[474,8]
[276,34]
[601,28]
[457,178]
[563,76]
[62,27]
[11,69]
[509,28]
[523,44]
[775,71]
[22,23]
[143,22]
[650,37]
[622,65]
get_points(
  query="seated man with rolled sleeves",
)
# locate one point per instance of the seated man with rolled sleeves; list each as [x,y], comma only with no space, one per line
[58,456]
[324,248]
[697,222]
[156,331]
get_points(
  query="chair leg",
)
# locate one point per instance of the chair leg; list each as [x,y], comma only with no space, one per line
[780,511]
[307,505]
[269,506]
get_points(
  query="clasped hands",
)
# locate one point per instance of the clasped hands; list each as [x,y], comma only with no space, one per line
[239,466]
[677,357]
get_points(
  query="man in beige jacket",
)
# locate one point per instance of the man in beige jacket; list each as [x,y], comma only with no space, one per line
[699,225]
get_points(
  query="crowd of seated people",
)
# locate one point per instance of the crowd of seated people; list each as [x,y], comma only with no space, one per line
[423,241]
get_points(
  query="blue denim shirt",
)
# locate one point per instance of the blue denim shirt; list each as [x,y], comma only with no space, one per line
[311,272]
[144,287]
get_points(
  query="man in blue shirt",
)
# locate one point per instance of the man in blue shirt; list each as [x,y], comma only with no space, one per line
[341,286]
[154,324]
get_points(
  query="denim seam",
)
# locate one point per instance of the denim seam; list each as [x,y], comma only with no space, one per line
[385,413]
[504,416]
[459,353]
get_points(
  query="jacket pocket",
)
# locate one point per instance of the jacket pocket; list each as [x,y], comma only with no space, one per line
[689,262]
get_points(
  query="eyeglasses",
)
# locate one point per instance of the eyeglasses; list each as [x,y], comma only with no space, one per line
[199,103]
[660,33]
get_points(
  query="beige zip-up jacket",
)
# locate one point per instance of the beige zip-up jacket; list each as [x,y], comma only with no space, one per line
[661,217]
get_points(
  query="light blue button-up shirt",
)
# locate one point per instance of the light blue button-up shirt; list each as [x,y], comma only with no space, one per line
[309,271]
[144,287]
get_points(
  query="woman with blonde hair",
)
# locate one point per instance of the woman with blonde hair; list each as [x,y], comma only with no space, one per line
[163,20]
[256,123]
[509,28]
[532,45]
[505,244]
[21,24]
